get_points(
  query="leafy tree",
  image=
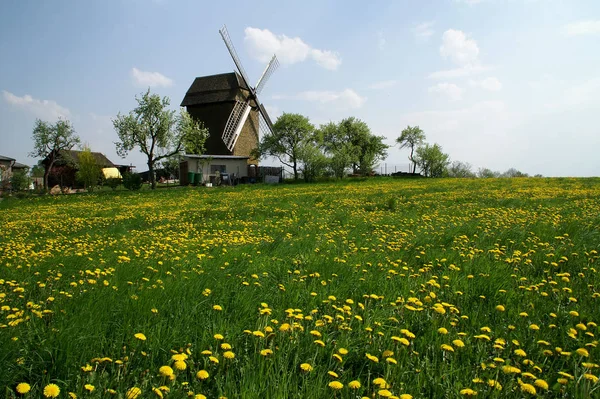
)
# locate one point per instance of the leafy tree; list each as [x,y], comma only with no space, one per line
[460,169]
[37,170]
[290,134]
[485,173]
[313,161]
[19,181]
[411,137]
[88,170]
[132,181]
[368,148]
[171,166]
[341,153]
[49,140]
[157,131]
[512,172]
[431,160]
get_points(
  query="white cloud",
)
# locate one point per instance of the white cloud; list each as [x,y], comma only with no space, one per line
[491,84]
[459,48]
[345,99]
[150,79]
[424,31]
[582,28]
[262,43]
[44,109]
[461,72]
[452,91]
[386,84]
[583,94]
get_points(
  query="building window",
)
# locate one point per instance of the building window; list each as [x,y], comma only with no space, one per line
[219,168]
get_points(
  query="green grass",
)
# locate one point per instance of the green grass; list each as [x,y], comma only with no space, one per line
[350,263]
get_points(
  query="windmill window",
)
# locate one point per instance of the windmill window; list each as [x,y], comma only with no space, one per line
[219,168]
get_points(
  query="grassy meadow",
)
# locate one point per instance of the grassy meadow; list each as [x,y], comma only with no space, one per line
[374,288]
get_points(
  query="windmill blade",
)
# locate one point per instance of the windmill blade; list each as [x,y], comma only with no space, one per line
[271,67]
[225,35]
[264,122]
[235,123]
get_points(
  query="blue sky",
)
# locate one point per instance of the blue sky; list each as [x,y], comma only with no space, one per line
[497,83]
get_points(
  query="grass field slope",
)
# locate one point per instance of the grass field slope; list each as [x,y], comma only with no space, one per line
[375,288]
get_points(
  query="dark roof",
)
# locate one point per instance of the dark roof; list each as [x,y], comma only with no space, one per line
[216,88]
[3,158]
[215,156]
[18,165]
[101,159]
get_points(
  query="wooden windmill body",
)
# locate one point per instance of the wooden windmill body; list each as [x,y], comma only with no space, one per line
[229,107]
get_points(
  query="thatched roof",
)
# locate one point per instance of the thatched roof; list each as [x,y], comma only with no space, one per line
[216,88]
[101,160]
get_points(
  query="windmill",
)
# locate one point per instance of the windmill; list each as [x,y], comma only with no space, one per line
[229,107]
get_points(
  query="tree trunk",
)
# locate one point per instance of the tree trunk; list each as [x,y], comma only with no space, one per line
[151,173]
[295,171]
[47,173]
[412,150]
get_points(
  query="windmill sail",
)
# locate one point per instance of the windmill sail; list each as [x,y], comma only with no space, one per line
[235,123]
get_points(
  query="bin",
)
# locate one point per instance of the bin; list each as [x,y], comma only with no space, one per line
[198,178]
[191,176]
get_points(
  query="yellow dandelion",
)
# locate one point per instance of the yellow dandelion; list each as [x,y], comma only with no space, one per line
[354,384]
[384,393]
[23,388]
[442,330]
[582,352]
[541,384]
[180,365]
[528,388]
[406,396]
[372,358]
[51,391]
[218,337]
[199,396]
[591,377]
[306,367]
[500,308]
[133,393]
[140,336]
[336,385]
[333,374]
[202,375]
[165,371]
[89,387]
[447,348]
[343,351]
[217,307]
[458,343]
[468,392]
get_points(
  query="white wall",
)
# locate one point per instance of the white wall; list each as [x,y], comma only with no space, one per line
[237,166]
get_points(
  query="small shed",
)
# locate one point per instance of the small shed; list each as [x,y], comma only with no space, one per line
[208,165]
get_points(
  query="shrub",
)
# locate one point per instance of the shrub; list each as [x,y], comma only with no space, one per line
[113,182]
[132,181]
[19,181]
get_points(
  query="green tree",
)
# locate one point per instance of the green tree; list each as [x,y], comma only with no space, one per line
[314,162]
[460,169]
[368,149]
[341,153]
[431,160]
[20,181]
[486,173]
[156,131]
[88,170]
[49,140]
[291,133]
[411,137]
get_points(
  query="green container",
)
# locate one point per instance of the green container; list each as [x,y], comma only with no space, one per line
[199,178]
[191,177]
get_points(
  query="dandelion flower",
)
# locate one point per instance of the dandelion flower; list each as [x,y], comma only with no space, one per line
[89,387]
[354,384]
[266,352]
[202,375]
[380,382]
[447,348]
[165,371]
[51,391]
[528,388]
[372,358]
[458,343]
[406,396]
[500,308]
[199,396]
[180,365]
[217,307]
[333,374]
[442,330]
[591,377]
[23,388]
[468,392]
[140,336]
[384,393]
[336,385]
[582,352]
[343,351]
[218,337]
[541,384]
[133,393]
[306,367]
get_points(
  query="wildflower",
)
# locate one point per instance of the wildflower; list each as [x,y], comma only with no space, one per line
[51,391]
[447,348]
[336,385]
[528,388]
[180,365]
[338,357]
[406,396]
[500,308]
[89,387]
[534,327]
[229,355]
[217,308]
[140,336]
[372,358]
[319,343]
[179,357]
[458,343]
[259,334]
[384,393]
[591,377]
[165,371]
[218,337]
[541,384]
[380,382]
[520,352]
[199,396]
[582,352]
[266,352]
[442,331]
[306,367]
[354,384]
[202,375]
[511,370]
[391,360]
[133,393]
[468,392]
[23,388]
[343,351]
